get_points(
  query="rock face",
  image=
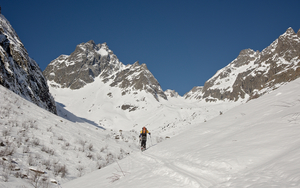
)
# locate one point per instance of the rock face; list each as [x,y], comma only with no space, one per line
[171,93]
[194,93]
[89,61]
[254,73]
[20,73]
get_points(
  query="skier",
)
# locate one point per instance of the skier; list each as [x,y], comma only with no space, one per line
[143,137]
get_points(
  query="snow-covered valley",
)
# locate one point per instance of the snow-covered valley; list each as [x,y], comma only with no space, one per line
[106,107]
[255,144]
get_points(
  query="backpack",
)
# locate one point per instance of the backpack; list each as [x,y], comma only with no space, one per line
[144,134]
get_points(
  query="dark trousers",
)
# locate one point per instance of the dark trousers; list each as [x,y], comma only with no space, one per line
[143,143]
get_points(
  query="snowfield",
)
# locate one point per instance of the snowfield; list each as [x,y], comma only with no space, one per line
[256,144]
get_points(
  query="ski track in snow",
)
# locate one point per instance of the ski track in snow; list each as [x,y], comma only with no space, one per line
[177,172]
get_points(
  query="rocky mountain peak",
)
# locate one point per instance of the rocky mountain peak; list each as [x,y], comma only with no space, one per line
[246,52]
[89,61]
[136,64]
[290,31]
[252,73]
[82,66]
[20,73]
[139,78]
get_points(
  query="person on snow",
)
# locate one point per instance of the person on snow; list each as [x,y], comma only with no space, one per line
[143,137]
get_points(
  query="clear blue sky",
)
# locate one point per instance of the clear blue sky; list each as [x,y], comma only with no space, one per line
[183,42]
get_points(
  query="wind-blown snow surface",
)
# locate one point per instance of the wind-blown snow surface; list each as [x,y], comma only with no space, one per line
[256,144]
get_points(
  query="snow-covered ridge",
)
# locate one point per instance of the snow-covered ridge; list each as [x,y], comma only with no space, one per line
[254,73]
[20,73]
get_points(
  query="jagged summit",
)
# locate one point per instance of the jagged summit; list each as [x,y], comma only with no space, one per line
[290,31]
[82,66]
[20,73]
[90,60]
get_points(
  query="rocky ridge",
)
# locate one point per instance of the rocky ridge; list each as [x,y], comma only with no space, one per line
[20,73]
[254,73]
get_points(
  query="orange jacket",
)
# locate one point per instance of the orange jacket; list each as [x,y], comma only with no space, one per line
[144,132]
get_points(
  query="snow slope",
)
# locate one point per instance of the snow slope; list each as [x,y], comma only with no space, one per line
[102,105]
[35,139]
[256,144]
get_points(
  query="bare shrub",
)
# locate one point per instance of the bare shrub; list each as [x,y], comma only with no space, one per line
[5,175]
[82,143]
[64,147]
[26,149]
[36,142]
[2,153]
[12,165]
[99,157]
[90,147]
[26,139]
[61,138]
[90,155]
[37,179]
[47,163]
[47,150]
[37,156]
[120,156]
[19,142]
[17,174]
[6,132]
[32,125]
[31,161]
[109,158]
[49,129]
[25,126]
[60,169]
[22,132]
[80,169]
[12,123]
[99,165]
[63,171]
[104,148]
[10,150]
